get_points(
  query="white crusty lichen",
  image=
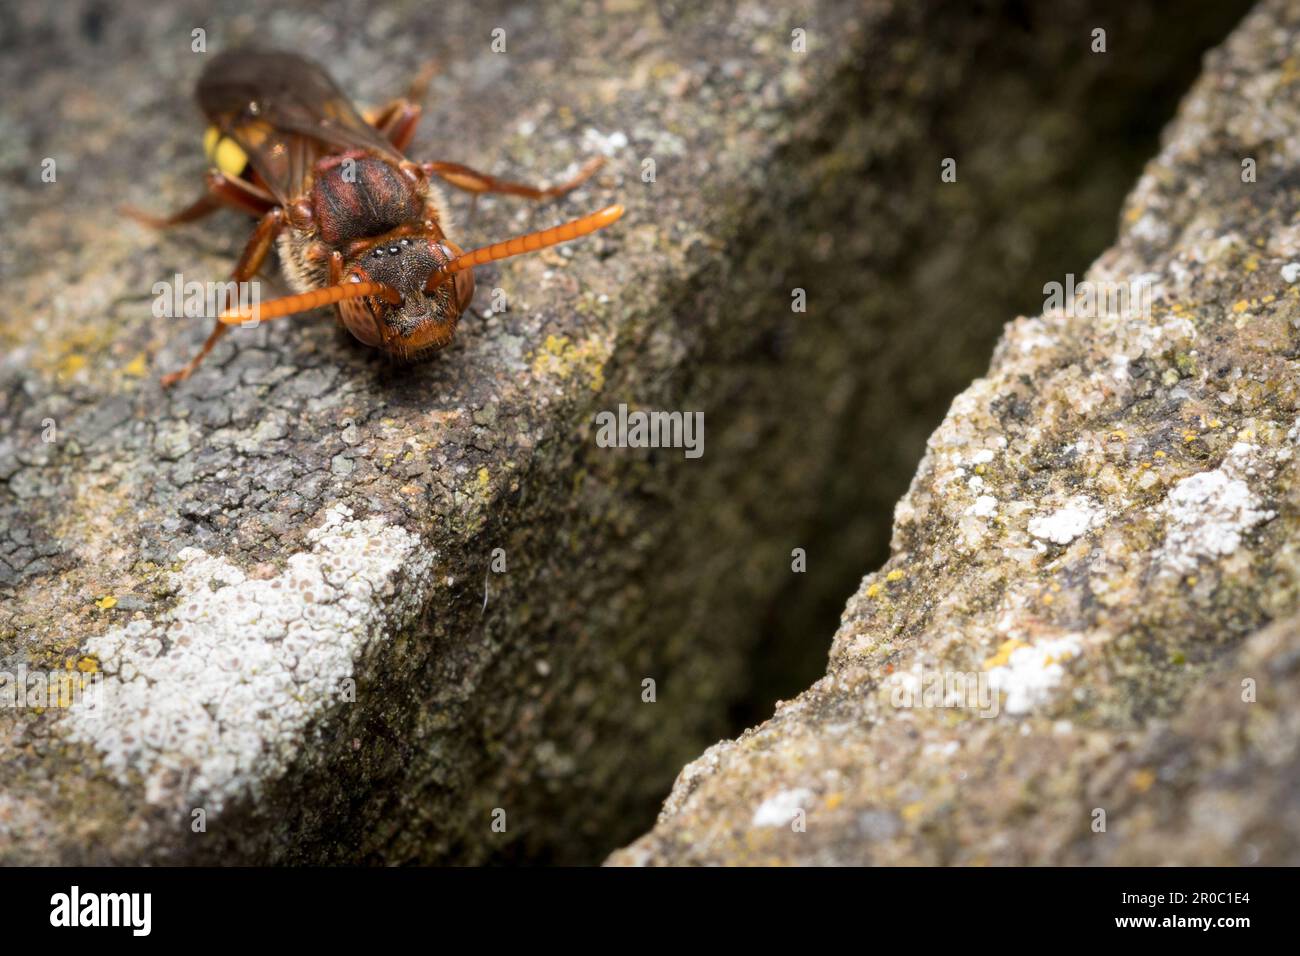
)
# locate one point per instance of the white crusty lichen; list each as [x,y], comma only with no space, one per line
[1065,524]
[1029,673]
[1208,512]
[780,808]
[213,700]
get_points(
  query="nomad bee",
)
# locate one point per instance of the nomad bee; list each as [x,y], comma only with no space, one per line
[356,223]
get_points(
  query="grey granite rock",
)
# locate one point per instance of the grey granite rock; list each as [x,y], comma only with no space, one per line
[277,573]
[1083,648]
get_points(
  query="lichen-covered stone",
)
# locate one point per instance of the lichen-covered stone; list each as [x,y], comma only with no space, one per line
[1101,542]
[283,569]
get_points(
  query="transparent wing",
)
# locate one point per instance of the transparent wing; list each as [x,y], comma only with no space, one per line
[285,113]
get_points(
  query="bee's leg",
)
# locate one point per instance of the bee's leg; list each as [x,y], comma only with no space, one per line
[472,181]
[205,205]
[222,191]
[419,87]
[396,122]
[397,119]
[255,253]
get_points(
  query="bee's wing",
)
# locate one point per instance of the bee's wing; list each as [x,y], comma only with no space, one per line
[285,113]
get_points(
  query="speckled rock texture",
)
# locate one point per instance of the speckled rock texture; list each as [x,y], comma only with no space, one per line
[281,574]
[1098,557]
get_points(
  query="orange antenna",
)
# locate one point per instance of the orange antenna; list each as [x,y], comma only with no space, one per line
[304,301]
[527,243]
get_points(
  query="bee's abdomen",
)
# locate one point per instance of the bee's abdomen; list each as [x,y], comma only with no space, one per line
[357,197]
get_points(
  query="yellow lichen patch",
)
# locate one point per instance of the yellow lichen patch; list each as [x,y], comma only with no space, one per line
[483,476]
[70,365]
[874,590]
[70,350]
[138,367]
[560,357]
[88,665]
[1290,71]
[1143,780]
[894,575]
[834,800]
[106,603]
[1004,652]
[912,811]
[1240,306]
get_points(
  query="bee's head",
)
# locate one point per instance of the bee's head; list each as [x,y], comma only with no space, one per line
[420,320]
[405,293]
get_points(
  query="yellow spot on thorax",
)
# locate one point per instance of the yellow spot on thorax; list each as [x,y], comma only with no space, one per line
[223,152]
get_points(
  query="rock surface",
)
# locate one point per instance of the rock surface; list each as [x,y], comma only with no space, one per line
[278,572]
[1098,557]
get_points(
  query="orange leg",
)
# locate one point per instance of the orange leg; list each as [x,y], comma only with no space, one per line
[397,119]
[255,253]
[419,87]
[222,191]
[397,122]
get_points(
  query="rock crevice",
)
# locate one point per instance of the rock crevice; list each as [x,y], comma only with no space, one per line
[1082,648]
[170,542]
